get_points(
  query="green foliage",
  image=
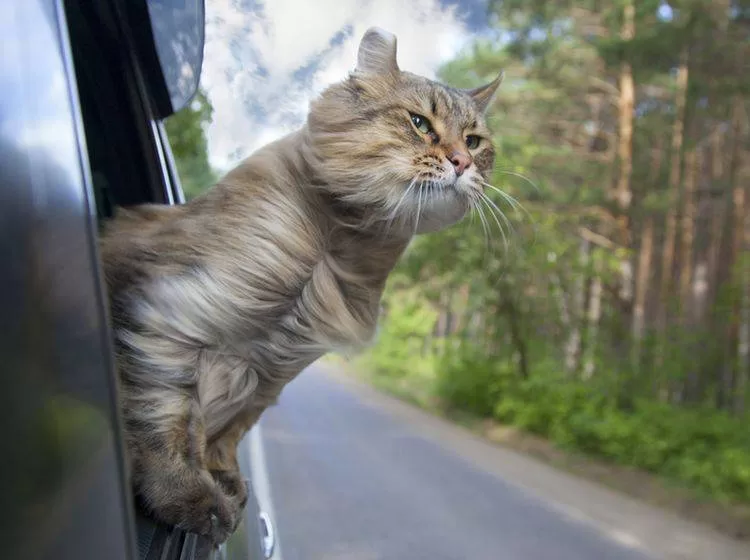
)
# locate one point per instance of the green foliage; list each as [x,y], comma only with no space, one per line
[540,335]
[466,381]
[698,446]
[187,137]
[409,319]
[702,448]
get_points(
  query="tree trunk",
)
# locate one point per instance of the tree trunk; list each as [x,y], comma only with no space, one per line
[707,242]
[573,345]
[463,310]
[690,389]
[593,316]
[742,376]
[729,377]
[718,214]
[692,166]
[623,194]
[516,334]
[641,289]
[668,250]
[645,263]
[739,199]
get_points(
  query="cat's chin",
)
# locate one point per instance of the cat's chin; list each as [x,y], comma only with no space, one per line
[441,212]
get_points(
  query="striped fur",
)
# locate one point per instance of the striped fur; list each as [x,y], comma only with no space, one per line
[219,303]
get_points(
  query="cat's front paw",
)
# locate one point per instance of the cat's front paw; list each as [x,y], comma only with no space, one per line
[196,503]
[234,486]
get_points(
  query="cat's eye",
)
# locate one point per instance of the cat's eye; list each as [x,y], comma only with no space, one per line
[422,124]
[472,141]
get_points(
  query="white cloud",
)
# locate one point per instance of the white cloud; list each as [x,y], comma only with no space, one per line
[265,60]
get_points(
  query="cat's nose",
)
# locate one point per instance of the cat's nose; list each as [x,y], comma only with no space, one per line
[460,161]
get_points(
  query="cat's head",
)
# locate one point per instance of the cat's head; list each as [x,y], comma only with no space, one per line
[403,150]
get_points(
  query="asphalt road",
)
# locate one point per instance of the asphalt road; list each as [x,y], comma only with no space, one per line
[354,478]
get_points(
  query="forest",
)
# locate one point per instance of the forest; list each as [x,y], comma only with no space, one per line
[601,299]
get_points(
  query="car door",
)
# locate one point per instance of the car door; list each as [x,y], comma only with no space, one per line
[81,99]
[63,485]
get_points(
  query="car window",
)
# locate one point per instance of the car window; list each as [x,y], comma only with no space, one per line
[178,29]
[119,135]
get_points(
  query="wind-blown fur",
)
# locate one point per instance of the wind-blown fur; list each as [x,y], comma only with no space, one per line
[217,304]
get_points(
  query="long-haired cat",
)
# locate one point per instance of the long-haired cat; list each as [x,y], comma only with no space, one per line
[219,303]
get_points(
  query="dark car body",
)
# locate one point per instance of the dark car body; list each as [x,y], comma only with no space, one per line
[84,86]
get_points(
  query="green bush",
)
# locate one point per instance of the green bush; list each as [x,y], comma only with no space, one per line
[471,384]
[399,349]
[702,448]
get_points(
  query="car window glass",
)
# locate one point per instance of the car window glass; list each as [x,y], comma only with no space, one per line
[116,121]
[178,27]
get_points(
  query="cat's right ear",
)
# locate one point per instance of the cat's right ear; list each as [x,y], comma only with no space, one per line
[377,53]
[483,95]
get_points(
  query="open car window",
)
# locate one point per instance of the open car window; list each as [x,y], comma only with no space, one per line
[122,150]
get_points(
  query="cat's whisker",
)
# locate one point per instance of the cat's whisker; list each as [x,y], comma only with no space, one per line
[487,202]
[419,207]
[518,206]
[478,208]
[512,201]
[394,212]
[520,176]
[500,213]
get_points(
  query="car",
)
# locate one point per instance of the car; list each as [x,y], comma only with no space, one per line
[84,89]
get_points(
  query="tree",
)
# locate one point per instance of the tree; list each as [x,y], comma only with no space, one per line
[187,137]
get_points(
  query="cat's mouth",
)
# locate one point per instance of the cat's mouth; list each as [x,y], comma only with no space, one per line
[435,186]
[450,186]
[435,189]
[436,204]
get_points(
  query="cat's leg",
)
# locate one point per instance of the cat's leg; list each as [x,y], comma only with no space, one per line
[166,443]
[221,456]
[176,387]
[221,451]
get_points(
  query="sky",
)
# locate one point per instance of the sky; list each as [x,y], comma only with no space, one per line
[265,60]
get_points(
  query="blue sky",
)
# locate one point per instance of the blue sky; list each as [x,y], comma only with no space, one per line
[265,60]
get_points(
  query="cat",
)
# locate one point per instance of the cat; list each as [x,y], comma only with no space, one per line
[217,304]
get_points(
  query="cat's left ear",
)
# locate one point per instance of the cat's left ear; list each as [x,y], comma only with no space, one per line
[377,53]
[483,95]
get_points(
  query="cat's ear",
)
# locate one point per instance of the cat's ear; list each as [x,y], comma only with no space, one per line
[377,53]
[483,95]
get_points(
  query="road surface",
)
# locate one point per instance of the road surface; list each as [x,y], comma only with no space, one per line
[355,475]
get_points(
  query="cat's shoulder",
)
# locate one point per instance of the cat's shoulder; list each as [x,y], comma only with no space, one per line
[136,219]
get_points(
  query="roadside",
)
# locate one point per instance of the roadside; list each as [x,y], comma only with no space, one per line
[731,520]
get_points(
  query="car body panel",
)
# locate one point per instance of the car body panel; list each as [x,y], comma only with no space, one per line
[246,540]
[65,489]
[64,475]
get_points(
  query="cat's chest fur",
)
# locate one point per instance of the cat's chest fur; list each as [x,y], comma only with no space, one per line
[270,288]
